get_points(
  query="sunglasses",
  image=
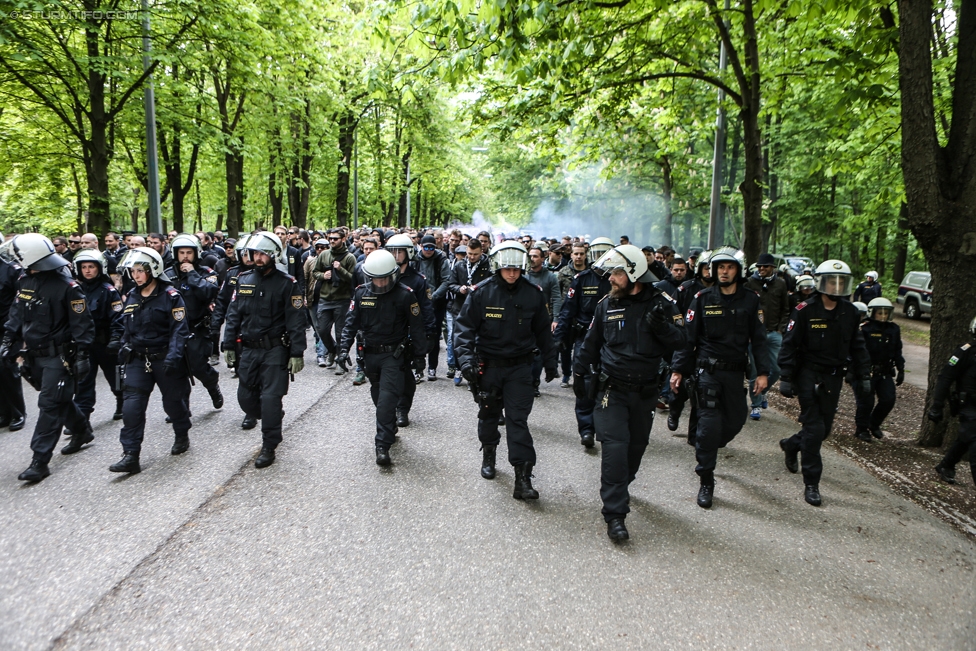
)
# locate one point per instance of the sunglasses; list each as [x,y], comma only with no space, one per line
[334,239]
[429,247]
[74,241]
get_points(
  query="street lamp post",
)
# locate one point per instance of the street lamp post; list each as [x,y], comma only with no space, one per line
[154,222]
[716,224]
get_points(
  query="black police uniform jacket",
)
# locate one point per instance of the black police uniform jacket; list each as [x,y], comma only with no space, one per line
[827,338]
[621,341]
[883,341]
[686,293]
[104,303]
[584,293]
[422,293]
[265,308]
[50,308]
[10,274]
[224,296]
[961,370]
[866,292]
[721,327]
[502,321]
[385,320]
[154,323]
[198,286]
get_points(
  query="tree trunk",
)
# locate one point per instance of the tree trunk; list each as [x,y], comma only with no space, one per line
[880,245]
[751,188]
[901,244]
[300,180]
[666,196]
[940,185]
[233,175]
[347,141]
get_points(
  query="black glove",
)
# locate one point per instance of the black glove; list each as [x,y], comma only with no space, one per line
[469,374]
[786,388]
[657,318]
[171,369]
[561,345]
[81,366]
[579,386]
[7,353]
[551,374]
[935,414]
[113,346]
[343,361]
[862,387]
[419,364]
[900,377]
[850,378]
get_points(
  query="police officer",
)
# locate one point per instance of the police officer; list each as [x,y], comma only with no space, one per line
[12,408]
[266,314]
[585,291]
[389,316]
[883,341]
[198,286]
[632,330]
[869,290]
[105,306]
[961,371]
[51,319]
[151,336]
[502,321]
[806,287]
[686,293]
[822,334]
[226,291]
[774,299]
[722,321]
[403,251]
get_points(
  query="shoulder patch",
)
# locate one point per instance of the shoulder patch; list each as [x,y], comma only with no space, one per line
[415,309]
[762,319]
[212,280]
[571,293]
[966,346]
[690,316]
[78,306]
[297,302]
[669,297]
[801,305]
[697,294]
[117,306]
[172,291]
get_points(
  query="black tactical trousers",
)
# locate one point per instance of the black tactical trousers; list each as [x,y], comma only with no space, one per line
[138,387]
[54,405]
[12,404]
[100,359]
[584,406]
[198,350]
[722,411]
[966,441]
[869,415]
[263,382]
[511,388]
[386,385]
[818,394]
[623,422]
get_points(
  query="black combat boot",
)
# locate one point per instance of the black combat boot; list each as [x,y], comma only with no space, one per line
[946,472]
[181,444]
[705,493]
[402,419]
[128,463]
[863,435]
[216,396]
[586,439]
[523,483]
[265,459]
[118,408]
[249,422]
[812,494]
[35,472]
[616,530]
[18,423]
[673,418]
[877,433]
[488,461]
[78,440]
[382,456]
[791,462]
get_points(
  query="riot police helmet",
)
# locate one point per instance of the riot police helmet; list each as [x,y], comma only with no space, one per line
[861,308]
[834,279]
[381,271]
[145,258]
[510,254]
[598,247]
[187,241]
[89,255]
[36,252]
[401,242]
[881,309]
[627,258]
[805,282]
[872,276]
[725,254]
[267,243]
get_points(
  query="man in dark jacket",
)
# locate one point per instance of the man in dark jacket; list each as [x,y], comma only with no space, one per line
[433,266]
[774,298]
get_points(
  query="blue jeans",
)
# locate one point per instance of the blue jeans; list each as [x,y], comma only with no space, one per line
[774,341]
[450,339]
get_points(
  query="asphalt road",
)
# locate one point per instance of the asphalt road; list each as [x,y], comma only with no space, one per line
[325,550]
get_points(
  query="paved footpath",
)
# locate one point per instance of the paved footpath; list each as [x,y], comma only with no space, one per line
[324,550]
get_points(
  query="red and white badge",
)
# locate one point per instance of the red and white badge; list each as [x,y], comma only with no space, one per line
[790,325]
[570,293]
[691,316]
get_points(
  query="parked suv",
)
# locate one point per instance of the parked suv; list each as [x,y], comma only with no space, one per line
[915,293]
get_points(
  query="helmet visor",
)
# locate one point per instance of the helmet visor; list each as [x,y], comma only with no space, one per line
[508,259]
[596,251]
[380,285]
[613,260]
[881,313]
[835,284]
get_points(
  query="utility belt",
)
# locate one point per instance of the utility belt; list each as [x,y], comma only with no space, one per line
[46,350]
[883,370]
[376,350]
[150,354]
[650,388]
[508,362]
[958,400]
[826,370]
[711,365]
[267,342]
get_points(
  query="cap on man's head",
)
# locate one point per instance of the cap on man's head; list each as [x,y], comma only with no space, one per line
[766,260]
[428,239]
[460,248]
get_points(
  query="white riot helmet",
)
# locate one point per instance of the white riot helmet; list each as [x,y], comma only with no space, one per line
[805,282]
[35,252]
[187,241]
[629,259]
[267,243]
[381,264]
[240,247]
[702,263]
[401,242]
[834,279]
[881,307]
[510,254]
[873,275]
[861,308]
[598,247]
[89,255]
[144,257]
[725,254]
